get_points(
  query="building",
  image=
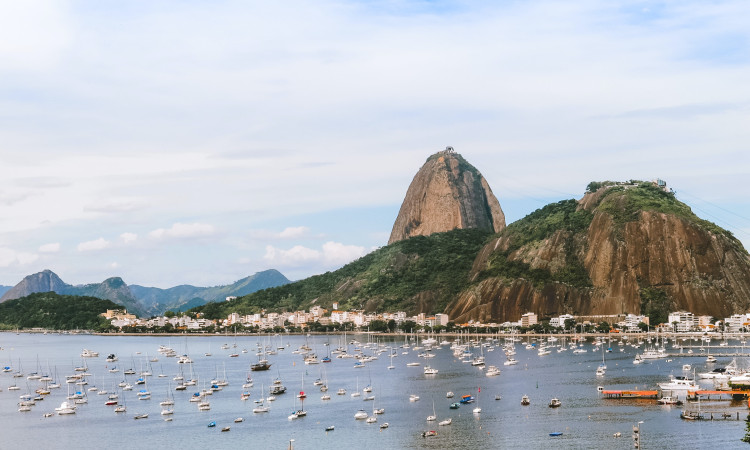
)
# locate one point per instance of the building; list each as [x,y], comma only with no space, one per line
[528,319]
[682,321]
[559,322]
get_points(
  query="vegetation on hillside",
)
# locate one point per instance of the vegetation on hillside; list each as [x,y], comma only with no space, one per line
[563,216]
[384,280]
[55,312]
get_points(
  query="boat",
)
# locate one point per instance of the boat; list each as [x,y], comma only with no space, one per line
[383,426]
[361,414]
[498,397]
[492,371]
[525,400]
[556,433]
[555,403]
[260,366]
[710,359]
[413,398]
[678,384]
[429,433]
[447,421]
[449,394]
[66,408]
[141,416]
[225,429]
[211,424]
[430,371]
[330,428]
[510,362]
[667,400]
[466,399]
[433,417]
[86,353]
[454,406]
[371,419]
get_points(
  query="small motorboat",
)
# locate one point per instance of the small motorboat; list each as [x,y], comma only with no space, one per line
[556,433]
[141,416]
[331,428]
[225,429]
[383,426]
[449,394]
[525,400]
[238,420]
[429,433]
[454,406]
[498,397]
[554,403]
[211,424]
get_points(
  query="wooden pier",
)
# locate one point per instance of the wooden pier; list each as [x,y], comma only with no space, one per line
[622,395]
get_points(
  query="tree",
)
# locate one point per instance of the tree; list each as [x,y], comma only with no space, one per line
[643,326]
[746,438]
[603,327]
[569,324]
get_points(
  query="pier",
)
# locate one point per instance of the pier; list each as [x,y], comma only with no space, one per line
[620,395]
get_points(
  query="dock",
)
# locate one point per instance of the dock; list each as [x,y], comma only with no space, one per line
[622,395]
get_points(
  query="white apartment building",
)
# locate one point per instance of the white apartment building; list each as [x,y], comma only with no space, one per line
[682,321]
[559,322]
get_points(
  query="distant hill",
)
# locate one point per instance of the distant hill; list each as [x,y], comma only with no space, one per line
[113,289]
[56,312]
[144,301]
[183,297]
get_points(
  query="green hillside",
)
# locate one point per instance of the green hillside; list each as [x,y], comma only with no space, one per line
[434,268]
[55,312]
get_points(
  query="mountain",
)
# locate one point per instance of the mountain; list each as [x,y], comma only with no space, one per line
[113,289]
[628,247]
[45,281]
[145,301]
[157,301]
[447,193]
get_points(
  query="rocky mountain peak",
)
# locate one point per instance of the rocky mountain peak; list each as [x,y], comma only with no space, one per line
[447,193]
[44,281]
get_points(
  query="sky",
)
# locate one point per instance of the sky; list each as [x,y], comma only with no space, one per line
[199,142]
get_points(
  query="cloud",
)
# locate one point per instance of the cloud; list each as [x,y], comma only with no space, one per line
[113,265]
[9,257]
[115,206]
[184,231]
[128,238]
[50,248]
[331,254]
[97,244]
[293,232]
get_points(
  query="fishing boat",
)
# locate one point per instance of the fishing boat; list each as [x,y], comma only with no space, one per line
[330,428]
[555,403]
[525,400]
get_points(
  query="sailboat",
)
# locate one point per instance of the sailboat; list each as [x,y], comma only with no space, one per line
[433,417]
[478,410]
[262,407]
[356,392]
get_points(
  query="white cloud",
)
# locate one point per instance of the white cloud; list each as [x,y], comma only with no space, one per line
[97,244]
[114,265]
[9,257]
[335,253]
[331,254]
[184,230]
[128,238]
[294,232]
[50,248]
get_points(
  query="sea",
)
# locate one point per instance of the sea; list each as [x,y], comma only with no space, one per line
[586,420]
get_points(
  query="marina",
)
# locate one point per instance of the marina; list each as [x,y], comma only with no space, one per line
[586,411]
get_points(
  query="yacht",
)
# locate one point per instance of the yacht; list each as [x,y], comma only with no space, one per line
[492,371]
[430,371]
[361,414]
[678,384]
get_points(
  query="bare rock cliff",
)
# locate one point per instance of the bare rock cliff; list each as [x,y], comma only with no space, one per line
[696,265]
[447,193]
[45,281]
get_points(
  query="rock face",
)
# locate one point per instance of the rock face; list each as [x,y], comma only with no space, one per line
[623,253]
[45,281]
[447,193]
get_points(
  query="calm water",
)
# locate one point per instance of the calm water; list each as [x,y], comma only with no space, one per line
[585,419]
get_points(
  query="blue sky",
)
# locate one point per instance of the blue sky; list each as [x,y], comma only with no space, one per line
[200,142]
